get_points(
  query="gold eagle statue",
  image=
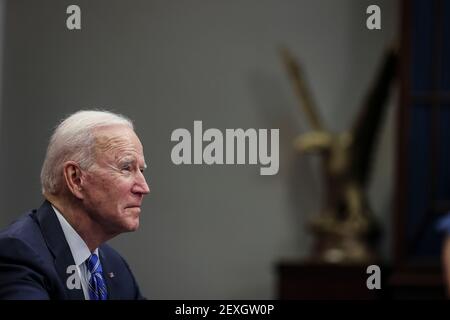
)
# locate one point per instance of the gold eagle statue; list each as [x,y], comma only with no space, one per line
[345,231]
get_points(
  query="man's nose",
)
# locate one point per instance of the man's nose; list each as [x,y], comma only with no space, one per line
[141,185]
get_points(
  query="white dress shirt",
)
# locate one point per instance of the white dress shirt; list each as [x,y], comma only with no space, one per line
[80,252]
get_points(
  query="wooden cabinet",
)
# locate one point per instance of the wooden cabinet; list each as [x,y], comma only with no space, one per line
[302,280]
[314,281]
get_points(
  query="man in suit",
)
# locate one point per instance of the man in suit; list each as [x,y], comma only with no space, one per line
[93,184]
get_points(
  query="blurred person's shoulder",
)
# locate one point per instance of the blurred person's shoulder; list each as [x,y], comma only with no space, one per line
[443,224]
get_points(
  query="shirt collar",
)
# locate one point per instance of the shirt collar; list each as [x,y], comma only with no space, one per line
[78,247]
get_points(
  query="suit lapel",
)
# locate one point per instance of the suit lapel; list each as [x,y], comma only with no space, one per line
[109,275]
[57,243]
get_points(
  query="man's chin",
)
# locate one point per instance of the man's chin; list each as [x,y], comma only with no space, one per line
[130,219]
[133,225]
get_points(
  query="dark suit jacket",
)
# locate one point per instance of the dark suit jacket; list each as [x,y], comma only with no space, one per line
[34,256]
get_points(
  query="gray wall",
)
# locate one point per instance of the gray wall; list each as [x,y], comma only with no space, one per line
[206,232]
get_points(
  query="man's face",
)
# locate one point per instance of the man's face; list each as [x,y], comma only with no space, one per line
[115,185]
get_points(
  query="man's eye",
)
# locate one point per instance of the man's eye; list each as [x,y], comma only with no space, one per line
[126,168]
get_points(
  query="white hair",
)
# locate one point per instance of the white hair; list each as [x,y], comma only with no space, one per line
[73,139]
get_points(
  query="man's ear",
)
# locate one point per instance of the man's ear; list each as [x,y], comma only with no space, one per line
[73,177]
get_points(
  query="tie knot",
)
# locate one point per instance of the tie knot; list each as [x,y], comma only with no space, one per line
[94,264]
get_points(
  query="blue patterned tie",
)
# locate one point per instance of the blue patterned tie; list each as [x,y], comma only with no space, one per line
[97,287]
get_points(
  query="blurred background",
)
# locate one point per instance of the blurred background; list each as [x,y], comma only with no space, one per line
[221,232]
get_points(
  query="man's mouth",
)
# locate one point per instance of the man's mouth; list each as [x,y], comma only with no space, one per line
[133,206]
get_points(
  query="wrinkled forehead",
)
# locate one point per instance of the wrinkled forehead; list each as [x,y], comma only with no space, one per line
[116,140]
